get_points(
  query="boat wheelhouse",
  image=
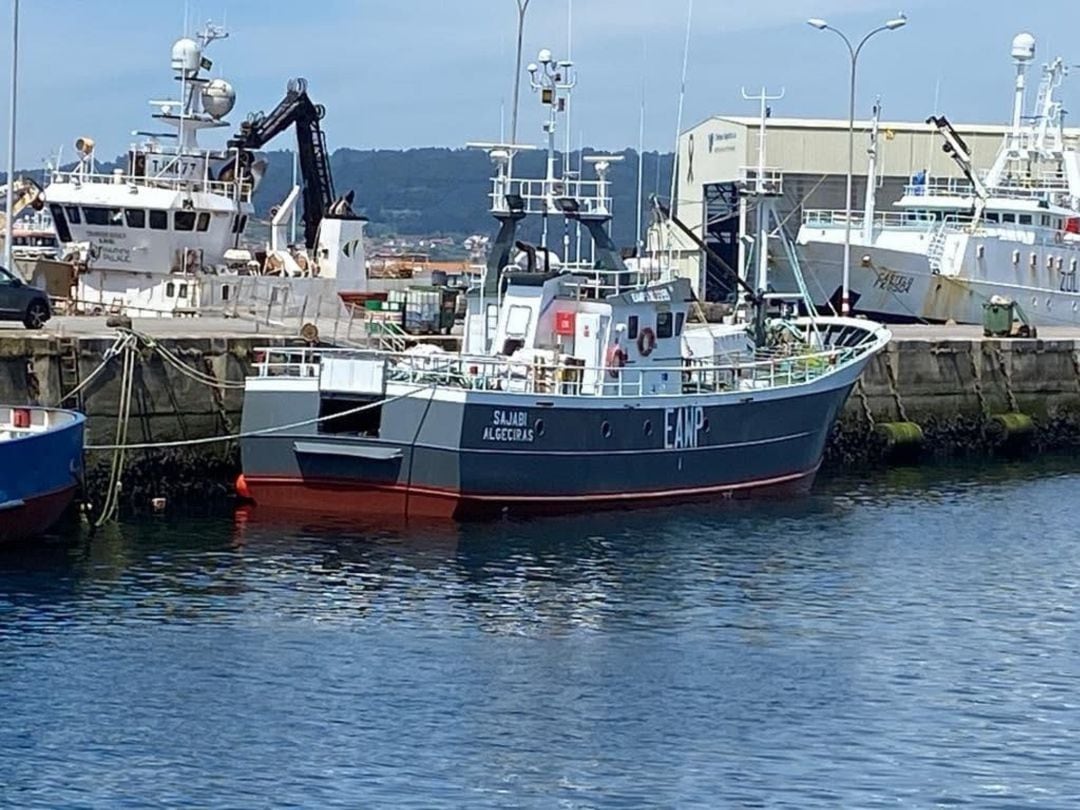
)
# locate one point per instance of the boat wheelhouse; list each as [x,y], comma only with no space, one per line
[151,228]
[952,245]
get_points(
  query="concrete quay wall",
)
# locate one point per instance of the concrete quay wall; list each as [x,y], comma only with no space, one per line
[953,386]
[166,406]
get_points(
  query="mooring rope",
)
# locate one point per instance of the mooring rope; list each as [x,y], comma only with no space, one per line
[116,469]
[262,431]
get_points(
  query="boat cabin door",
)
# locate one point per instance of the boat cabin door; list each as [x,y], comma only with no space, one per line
[589,339]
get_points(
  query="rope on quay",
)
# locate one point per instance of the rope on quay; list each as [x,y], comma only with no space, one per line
[123,420]
[254,433]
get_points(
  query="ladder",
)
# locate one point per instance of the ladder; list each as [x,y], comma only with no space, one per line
[70,376]
[935,252]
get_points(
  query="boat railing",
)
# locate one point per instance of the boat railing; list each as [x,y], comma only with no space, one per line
[559,196]
[778,368]
[594,282]
[838,218]
[194,185]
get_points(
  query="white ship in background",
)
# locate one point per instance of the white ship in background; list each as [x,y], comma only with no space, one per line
[163,235]
[953,245]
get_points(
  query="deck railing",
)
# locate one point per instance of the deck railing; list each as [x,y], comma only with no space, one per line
[785,366]
[195,185]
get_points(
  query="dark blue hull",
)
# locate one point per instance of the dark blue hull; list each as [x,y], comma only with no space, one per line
[40,474]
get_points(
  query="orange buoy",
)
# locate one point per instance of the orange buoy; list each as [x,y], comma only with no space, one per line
[242,489]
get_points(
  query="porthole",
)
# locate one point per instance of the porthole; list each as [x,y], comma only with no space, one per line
[539,427]
[647,427]
[605,429]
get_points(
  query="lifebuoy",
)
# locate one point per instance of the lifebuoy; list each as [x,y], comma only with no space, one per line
[616,359]
[646,342]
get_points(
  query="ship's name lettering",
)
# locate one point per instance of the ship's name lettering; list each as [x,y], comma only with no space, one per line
[642,296]
[509,426]
[894,282]
[1069,282]
[118,255]
[683,427]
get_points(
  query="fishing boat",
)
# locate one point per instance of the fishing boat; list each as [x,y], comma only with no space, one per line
[162,235]
[1010,233]
[582,383]
[40,468]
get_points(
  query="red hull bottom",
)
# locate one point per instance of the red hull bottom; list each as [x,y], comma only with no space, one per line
[35,517]
[357,498]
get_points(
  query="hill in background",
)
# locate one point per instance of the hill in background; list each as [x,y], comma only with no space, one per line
[442,192]
[445,191]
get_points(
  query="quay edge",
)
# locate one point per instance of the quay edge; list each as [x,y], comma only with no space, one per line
[953,383]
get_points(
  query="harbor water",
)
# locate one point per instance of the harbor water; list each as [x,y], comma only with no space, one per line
[908,639]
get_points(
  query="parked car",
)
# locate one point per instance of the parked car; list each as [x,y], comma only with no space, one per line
[21,302]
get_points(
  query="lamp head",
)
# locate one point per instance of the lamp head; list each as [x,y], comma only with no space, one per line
[818,23]
[897,22]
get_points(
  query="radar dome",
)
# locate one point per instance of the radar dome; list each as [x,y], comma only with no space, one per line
[186,56]
[1023,47]
[218,98]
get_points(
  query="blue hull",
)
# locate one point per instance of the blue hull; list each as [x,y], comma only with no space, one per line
[40,474]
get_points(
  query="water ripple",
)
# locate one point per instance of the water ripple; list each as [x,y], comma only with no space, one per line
[907,640]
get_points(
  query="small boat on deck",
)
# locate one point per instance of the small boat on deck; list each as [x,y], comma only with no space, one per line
[41,451]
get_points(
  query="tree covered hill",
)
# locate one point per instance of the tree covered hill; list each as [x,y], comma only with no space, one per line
[445,191]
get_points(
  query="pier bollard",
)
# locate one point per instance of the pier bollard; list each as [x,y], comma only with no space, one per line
[903,441]
[1011,432]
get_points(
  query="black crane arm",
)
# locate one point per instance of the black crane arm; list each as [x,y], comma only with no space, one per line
[297,110]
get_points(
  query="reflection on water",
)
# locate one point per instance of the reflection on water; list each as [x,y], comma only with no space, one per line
[908,639]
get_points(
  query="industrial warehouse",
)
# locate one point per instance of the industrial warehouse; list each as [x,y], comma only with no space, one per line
[809,156]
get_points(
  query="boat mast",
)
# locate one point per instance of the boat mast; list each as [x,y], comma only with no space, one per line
[871,176]
[762,189]
[555,81]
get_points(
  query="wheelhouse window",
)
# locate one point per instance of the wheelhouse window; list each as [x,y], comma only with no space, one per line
[135,217]
[96,216]
[664,325]
[1025,219]
[1008,217]
[680,319]
[170,290]
[993,218]
[73,215]
[633,324]
[159,221]
[184,220]
[60,222]
[518,320]
[204,222]
[116,217]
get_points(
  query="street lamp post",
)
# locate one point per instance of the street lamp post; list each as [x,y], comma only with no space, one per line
[8,224]
[853,50]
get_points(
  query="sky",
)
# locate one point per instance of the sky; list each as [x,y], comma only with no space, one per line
[404,73]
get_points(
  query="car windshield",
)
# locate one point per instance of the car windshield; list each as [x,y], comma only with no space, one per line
[5,276]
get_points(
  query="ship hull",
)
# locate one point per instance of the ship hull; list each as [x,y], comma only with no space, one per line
[477,455]
[892,285]
[40,475]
